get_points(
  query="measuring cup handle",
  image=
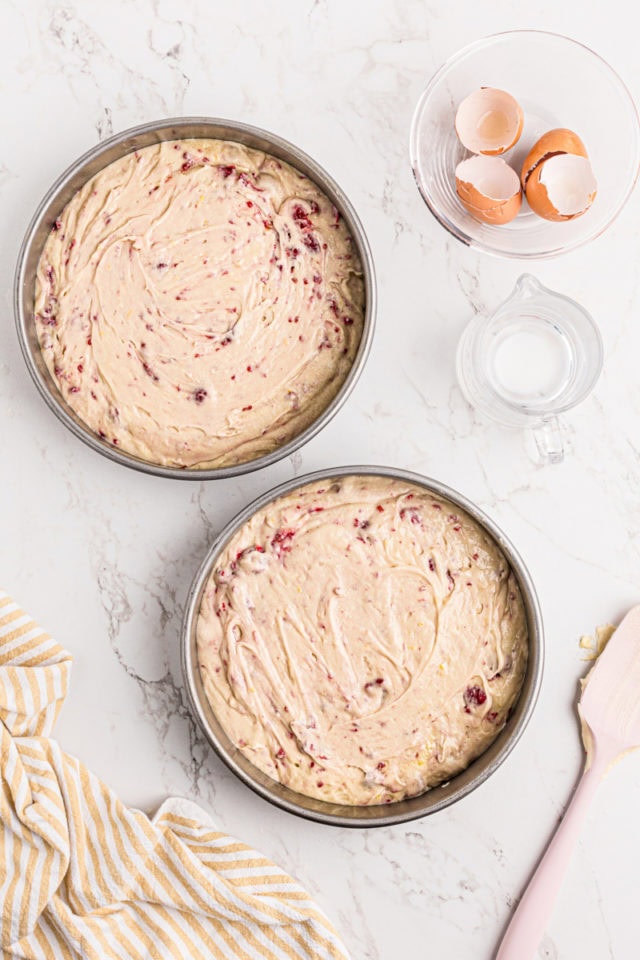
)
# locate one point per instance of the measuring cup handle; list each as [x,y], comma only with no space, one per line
[548,437]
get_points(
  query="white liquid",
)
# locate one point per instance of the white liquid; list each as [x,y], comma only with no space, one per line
[531,362]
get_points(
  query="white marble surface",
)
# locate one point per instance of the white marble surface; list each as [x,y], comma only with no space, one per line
[103,556]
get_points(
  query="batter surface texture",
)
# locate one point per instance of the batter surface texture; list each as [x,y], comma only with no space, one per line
[362,640]
[199,303]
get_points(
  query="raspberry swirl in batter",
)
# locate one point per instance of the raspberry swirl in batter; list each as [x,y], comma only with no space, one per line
[362,640]
[199,303]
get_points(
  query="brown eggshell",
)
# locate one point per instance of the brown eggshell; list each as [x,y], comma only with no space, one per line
[504,212]
[479,177]
[477,116]
[538,198]
[555,141]
[539,193]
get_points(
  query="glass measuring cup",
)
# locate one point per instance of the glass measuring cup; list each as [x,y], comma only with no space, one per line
[538,355]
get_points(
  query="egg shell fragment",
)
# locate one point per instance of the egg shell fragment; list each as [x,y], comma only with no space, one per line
[553,142]
[563,187]
[489,121]
[489,189]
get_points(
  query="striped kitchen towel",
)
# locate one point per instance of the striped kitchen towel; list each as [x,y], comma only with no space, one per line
[82,875]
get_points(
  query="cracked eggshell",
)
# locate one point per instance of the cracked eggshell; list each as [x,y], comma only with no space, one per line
[555,141]
[489,189]
[489,121]
[563,187]
[557,177]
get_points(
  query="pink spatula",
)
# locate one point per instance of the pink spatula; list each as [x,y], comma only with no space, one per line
[610,711]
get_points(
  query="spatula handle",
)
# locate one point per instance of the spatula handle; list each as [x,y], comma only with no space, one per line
[530,918]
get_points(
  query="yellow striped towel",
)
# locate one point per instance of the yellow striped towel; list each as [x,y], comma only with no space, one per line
[82,875]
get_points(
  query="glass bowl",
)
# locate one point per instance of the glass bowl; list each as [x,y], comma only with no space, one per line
[558,83]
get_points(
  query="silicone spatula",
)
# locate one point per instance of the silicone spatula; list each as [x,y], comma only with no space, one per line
[610,712]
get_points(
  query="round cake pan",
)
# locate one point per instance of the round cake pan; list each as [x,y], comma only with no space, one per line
[86,167]
[380,815]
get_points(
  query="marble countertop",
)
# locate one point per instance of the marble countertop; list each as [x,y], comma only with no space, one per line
[104,556]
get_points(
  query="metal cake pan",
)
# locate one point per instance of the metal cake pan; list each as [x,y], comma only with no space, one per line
[344,815]
[83,170]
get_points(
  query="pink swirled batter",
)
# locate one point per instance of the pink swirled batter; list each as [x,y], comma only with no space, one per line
[362,640]
[199,303]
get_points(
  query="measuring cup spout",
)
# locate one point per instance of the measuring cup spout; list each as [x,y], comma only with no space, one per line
[526,286]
